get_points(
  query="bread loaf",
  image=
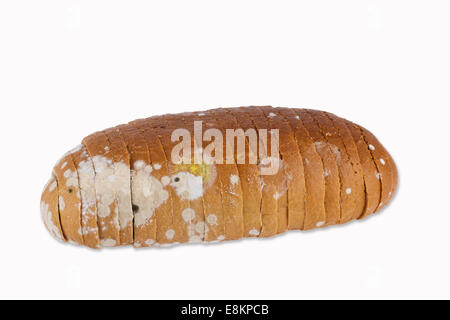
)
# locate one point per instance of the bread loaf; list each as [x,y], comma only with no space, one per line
[216,175]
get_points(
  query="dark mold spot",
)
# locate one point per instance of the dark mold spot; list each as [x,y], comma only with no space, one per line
[135,208]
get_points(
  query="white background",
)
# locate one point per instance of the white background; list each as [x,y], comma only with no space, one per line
[68,68]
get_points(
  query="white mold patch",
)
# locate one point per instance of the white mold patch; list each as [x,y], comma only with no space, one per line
[46,215]
[170,234]
[188,214]
[200,227]
[195,239]
[348,190]
[187,186]
[371,147]
[86,176]
[320,224]
[156,166]
[271,115]
[234,179]
[104,188]
[211,219]
[253,232]
[336,152]
[62,204]
[148,194]
[71,178]
[123,193]
[52,186]
[165,180]
[108,242]
[382,161]
[149,242]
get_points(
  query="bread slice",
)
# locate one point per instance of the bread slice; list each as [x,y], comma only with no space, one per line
[295,171]
[211,199]
[347,175]
[99,149]
[314,173]
[164,214]
[249,175]
[122,184]
[144,222]
[228,174]
[280,177]
[352,151]
[182,213]
[69,198]
[193,175]
[86,177]
[213,206]
[49,209]
[386,167]
[269,203]
[370,171]
[331,171]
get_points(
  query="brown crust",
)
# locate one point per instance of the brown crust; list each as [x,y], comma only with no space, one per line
[331,171]
[69,198]
[370,171]
[314,174]
[250,180]
[86,177]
